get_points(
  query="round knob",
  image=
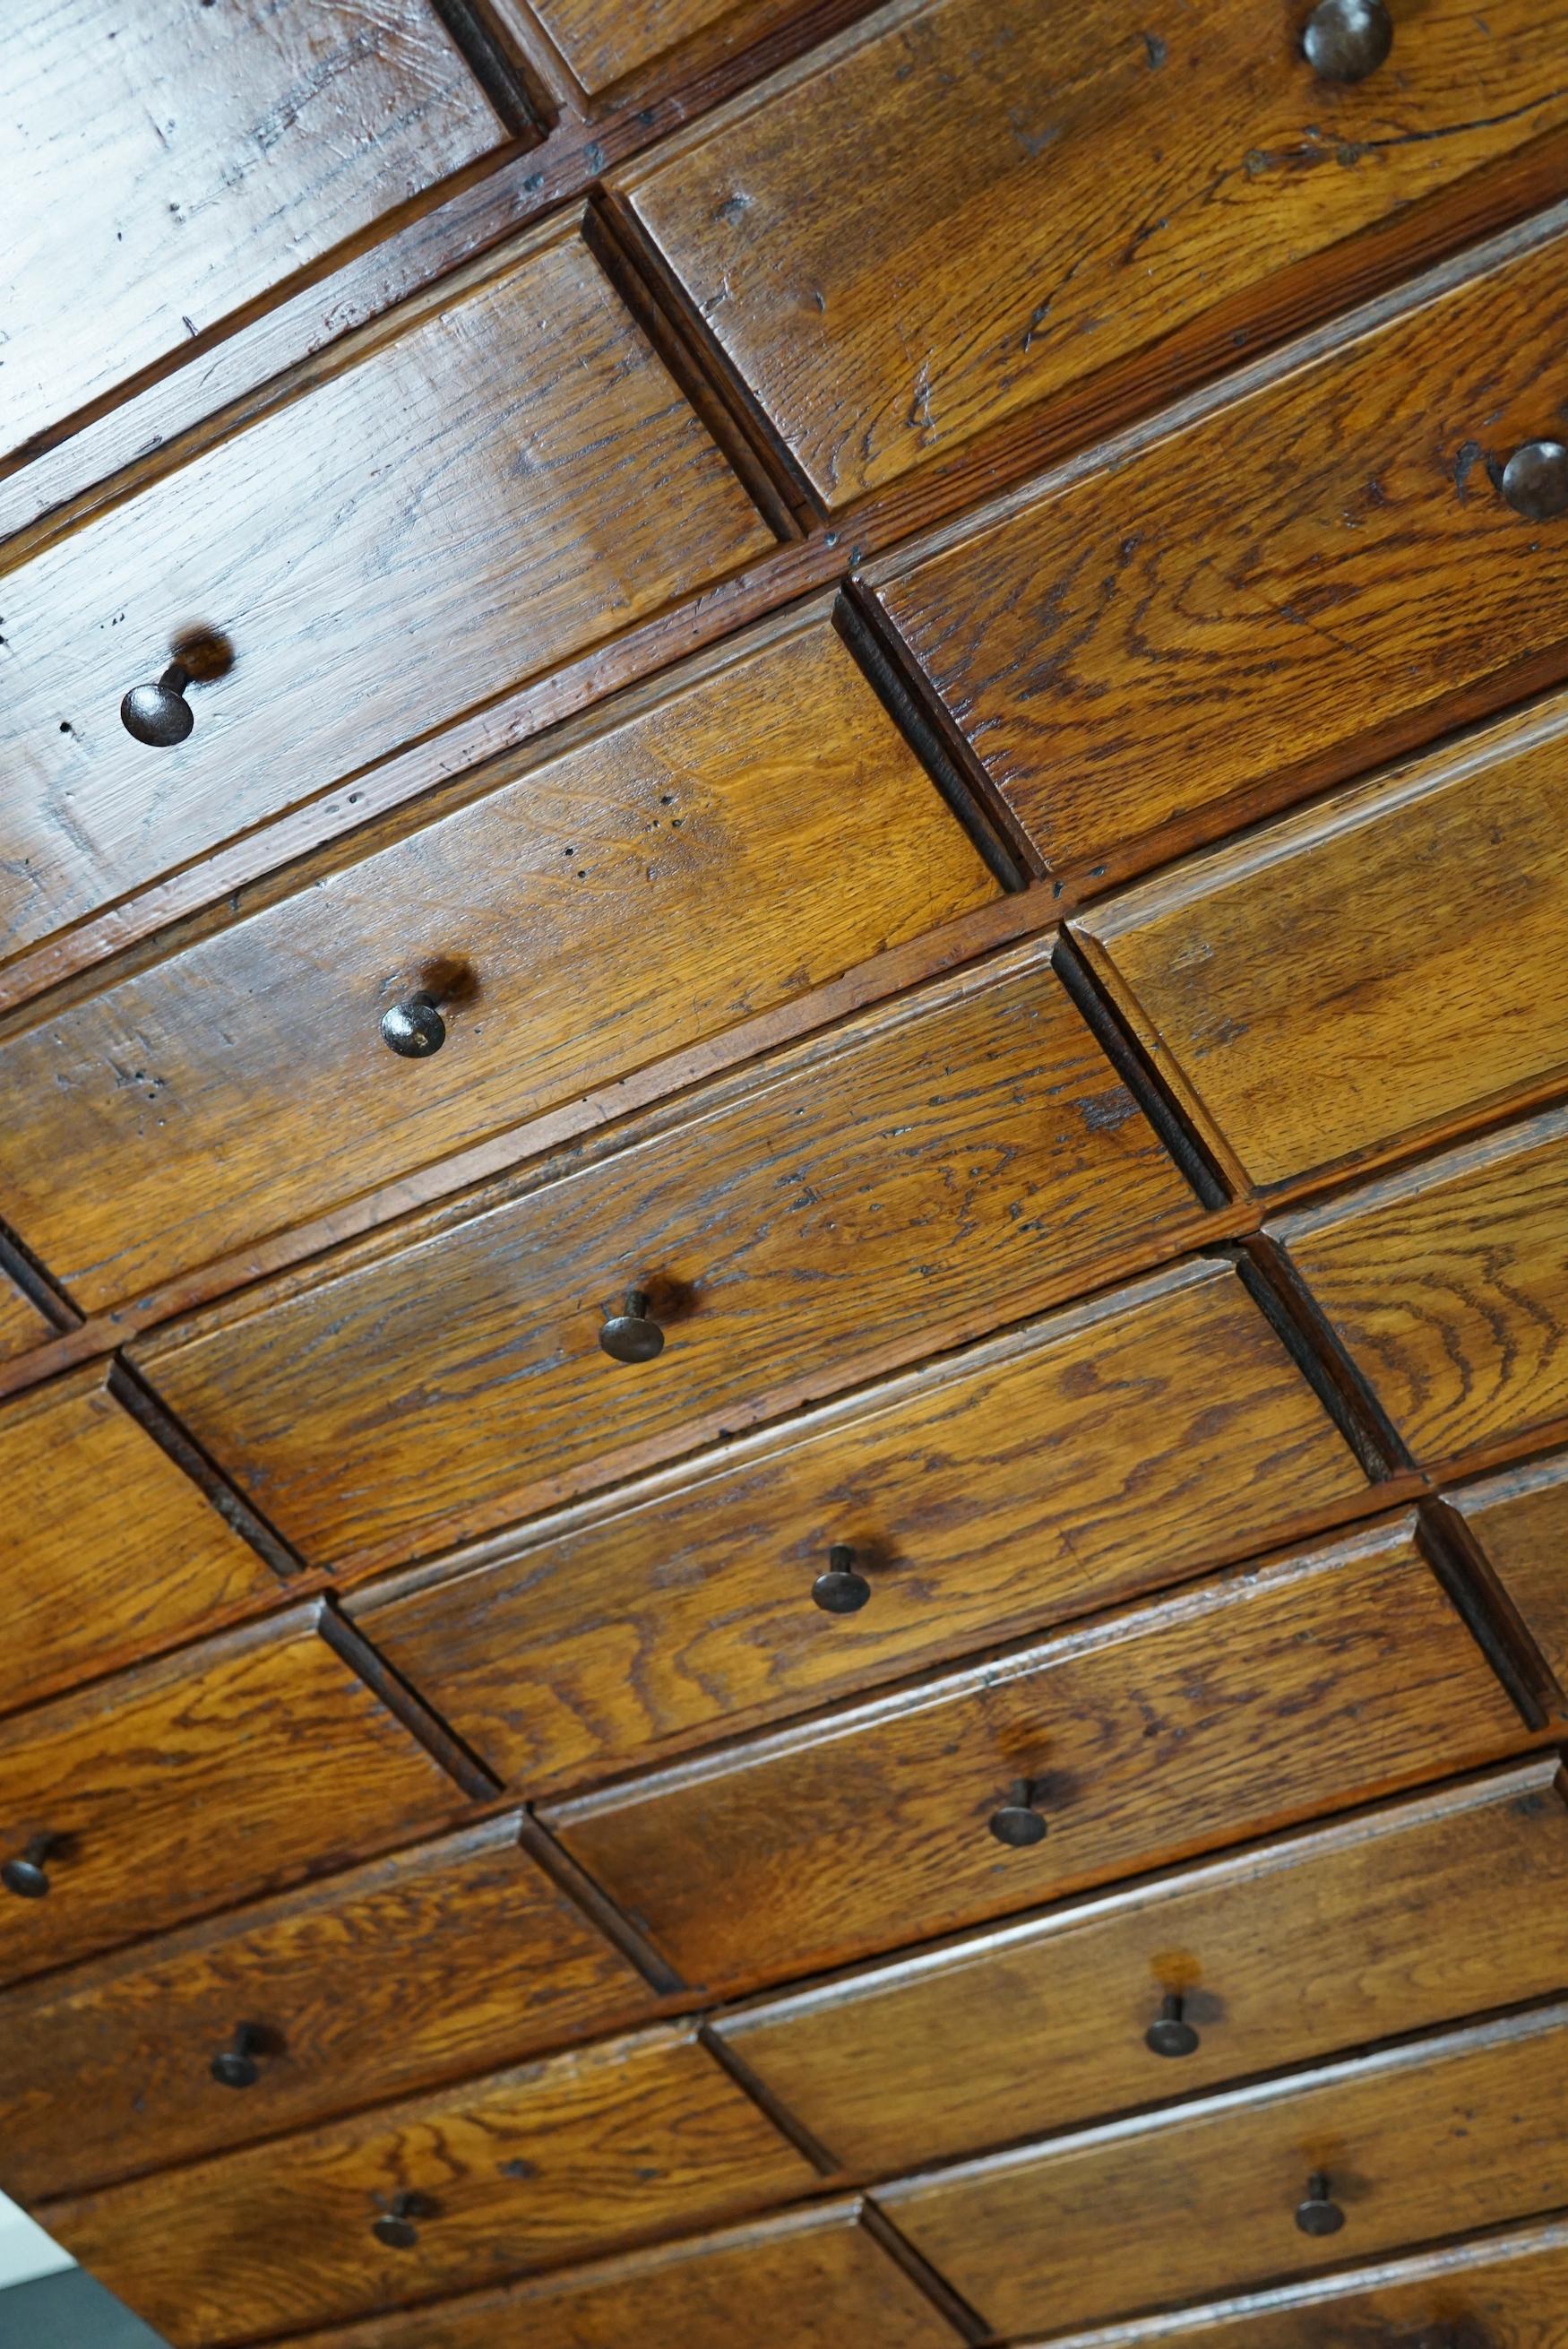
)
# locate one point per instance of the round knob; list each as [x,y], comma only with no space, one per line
[841,1590]
[1171,2034]
[396,2228]
[1318,2215]
[1535,480]
[630,1336]
[413,1029]
[27,1877]
[159,714]
[1017,1823]
[235,2066]
[1345,40]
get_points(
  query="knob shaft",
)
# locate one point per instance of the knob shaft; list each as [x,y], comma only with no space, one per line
[1171,2034]
[632,1335]
[1345,40]
[395,2226]
[27,1875]
[1319,2214]
[841,1590]
[413,1029]
[235,2066]
[159,714]
[1535,480]
[1016,1823]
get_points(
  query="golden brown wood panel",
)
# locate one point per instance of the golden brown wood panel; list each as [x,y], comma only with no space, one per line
[1448,1286]
[1418,1914]
[1226,1711]
[1313,575]
[1520,1520]
[492,479]
[429,1965]
[22,1325]
[713,853]
[603,41]
[969,1152]
[528,2168]
[1074,1465]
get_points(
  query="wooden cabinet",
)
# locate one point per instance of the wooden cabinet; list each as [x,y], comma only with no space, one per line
[1423,2140]
[1520,1520]
[1226,1711]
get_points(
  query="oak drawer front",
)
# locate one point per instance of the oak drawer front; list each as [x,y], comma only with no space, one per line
[1449,1286]
[529,2168]
[194,1783]
[1520,1520]
[1044,1474]
[1436,2136]
[1226,1711]
[1362,975]
[1321,1941]
[996,233]
[181,163]
[940,1155]
[368,552]
[1323,562]
[714,852]
[437,1962]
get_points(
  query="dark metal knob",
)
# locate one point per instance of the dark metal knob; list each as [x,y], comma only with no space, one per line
[1318,2215]
[1345,40]
[396,2226]
[235,2066]
[1535,480]
[631,1336]
[1017,1823]
[27,1877]
[1171,2034]
[413,1029]
[159,714]
[841,1590]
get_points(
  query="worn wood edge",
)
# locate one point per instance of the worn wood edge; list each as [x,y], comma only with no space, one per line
[29,1277]
[772,2107]
[1458,1557]
[1346,1202]
[965,2320]
[159,1423]
[505,90]
[1276,1287]
[1143,1078]
[407,1706]
[608,1919]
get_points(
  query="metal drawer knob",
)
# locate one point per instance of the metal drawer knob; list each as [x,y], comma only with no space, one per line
[1017,1823]
[159,714]
[413,1029]
[1171,2034]
[27,1877]
[632,1335]
[235,2066]
[1535,480]
[1318,2215]
[394,2227]
[841,1590]
[1345,40]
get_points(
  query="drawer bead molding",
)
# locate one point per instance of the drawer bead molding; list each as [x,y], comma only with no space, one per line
[27,1877]
[413,1029]
[1171,2034]
[1017,1822]
[842,1589]
[632,1335]
[1319,2214]
[1535,480]
[1345,40]
[238,2065]
[396,2226]
[159,715]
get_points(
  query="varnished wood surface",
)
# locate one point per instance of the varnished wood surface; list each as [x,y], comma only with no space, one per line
[1234,1707]
[603,41]
[1426,2140]
[534,2166]
[22,1325]
[1102,1453]
[1421,1913]
[1520,1520]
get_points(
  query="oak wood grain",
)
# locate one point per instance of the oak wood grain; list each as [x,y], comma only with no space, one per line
[22,1325]
[603,41]
[1520,1520]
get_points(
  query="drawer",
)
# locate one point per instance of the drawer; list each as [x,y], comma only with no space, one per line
[180,164]
[1520,1520]
[1421,2141]
[1061,206]
[1047,1472]
[1041,2026]
[446,1959]
[1228,1710]
[528,2168]
[694,855]
[955,1158]
[112,1550]
[1129,647]
[1448,1286]
[194,1783]
[1363,975]
[353,563]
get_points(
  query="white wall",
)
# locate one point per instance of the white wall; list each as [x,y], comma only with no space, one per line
[26,2251]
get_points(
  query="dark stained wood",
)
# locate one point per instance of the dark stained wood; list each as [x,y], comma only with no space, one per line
[554,2160]
[427,1966]
[1096,1456]
[1232,1708]
[603,41]
[710,854]
[966,1154]
[1421,1913]
[1428,2139]
[1520,1520]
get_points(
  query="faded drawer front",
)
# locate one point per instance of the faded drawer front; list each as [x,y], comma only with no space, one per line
[509,478]
[1434,2138]
[110,1549]
[1520,1520]
[1323,1941]
[180,160]
[972,207]
[964,1155]
[193,1783]
[1449,1285]
[441,1961]
[22,1325]
[1323,565]
[727,847]
[1224,1712]
[1042,1475]
[1367,973]
[527,2169]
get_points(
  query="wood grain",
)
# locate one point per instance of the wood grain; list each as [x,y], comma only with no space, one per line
[1520,1520]
[22,1325]
[603,41]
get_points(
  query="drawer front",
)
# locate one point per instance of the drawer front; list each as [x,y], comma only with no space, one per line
[1321,1941]
[1223,1712]
[442,1960]
[1440,2135]
[603,41]
[194,1783]
[970,1153]
[181,163]
[1520,1520]
[1365,973]
[1448,1286]
[1030,205]
[364,553]
[526,2169]
[1128,651]
[1042,1475]
[696,858]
